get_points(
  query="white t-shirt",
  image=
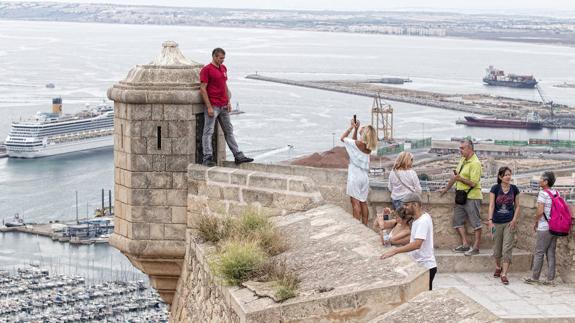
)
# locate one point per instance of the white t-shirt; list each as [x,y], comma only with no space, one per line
[544,198]
[408,177]
[422,228]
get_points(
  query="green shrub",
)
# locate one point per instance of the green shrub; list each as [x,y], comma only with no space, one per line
[287,287]
[276,270]
[237,261]
[209,228]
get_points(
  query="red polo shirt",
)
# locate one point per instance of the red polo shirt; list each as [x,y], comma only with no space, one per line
[216,79]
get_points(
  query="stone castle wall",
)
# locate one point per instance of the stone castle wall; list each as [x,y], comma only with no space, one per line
[314,231]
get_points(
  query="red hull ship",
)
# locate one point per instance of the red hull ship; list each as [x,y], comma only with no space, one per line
[500,123]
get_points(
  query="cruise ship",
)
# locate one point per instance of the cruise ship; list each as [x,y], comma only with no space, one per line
[54,133]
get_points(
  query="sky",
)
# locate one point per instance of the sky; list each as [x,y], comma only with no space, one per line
[459,5]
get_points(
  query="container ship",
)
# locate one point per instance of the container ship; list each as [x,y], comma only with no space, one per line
[54,133]
[497,77]
[500,123]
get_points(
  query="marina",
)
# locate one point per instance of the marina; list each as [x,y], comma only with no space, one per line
[32,294]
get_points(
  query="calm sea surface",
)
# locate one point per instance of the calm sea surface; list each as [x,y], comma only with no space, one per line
[84,60]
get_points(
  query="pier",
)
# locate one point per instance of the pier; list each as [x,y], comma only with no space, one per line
[499,107]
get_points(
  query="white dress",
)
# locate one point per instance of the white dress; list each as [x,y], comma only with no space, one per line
[357,172]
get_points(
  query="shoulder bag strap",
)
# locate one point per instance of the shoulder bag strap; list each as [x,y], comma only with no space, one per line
[402,183]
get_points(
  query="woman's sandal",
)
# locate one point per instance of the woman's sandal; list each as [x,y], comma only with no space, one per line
[497,272]
[504,280]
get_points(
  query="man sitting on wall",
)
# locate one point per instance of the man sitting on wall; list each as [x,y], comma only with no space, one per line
[420,245]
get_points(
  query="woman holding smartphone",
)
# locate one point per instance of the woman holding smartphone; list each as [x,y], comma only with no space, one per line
[503,214]
[358,169]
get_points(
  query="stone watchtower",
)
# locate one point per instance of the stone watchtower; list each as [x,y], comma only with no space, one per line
[157,132]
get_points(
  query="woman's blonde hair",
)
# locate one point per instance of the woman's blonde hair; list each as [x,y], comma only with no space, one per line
[369,137]
[403,161]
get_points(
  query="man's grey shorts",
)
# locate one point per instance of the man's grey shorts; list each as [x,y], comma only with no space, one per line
[468,211]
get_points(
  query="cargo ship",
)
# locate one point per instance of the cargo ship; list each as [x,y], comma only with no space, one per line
[500,123]
[497,77]
[56,133]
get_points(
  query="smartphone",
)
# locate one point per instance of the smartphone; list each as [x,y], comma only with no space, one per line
[354,119]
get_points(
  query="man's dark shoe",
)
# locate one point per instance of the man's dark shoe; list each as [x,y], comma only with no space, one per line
[243,159]
[209,162]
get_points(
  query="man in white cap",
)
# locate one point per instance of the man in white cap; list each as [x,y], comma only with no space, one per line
[420,245]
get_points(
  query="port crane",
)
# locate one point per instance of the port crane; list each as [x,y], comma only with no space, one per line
[546,101]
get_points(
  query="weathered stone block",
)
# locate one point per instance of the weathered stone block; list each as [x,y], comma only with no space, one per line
[135,145]
[157,111]
[270,181]
[174,231]
[140,231]
[239,178]
[295,202]
[179,180]
[219,174]
[147,197]
[177,197]
[159,163]
[184,130]
[150,129]
[152,148]
[178,163]
[177,112]
[301,185]
[197,172]
[231,193]
[139,111]
[213,191]
[156,231]
[183,146]
[263,197]
[179,214]
[150,214]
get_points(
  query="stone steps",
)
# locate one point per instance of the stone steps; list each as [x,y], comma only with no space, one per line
[450,262]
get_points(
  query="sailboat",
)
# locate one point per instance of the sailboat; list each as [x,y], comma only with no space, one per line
[237,110]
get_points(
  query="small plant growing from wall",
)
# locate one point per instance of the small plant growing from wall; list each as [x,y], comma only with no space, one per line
[248,247]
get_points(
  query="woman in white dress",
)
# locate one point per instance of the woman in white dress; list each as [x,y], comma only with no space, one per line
[358,170]
[403,179]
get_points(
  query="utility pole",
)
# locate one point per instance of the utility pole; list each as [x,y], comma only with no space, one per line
[77,222]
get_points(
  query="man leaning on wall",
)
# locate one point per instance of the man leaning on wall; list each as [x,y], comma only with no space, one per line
[216,96]
[467,179]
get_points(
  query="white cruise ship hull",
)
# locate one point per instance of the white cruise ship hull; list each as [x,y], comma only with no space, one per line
[64,148]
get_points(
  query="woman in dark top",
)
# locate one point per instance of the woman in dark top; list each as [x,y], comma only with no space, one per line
[503,215]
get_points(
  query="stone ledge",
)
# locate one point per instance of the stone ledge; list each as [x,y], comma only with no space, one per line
[164,249]
[326,246]
[439,306]
[450,262]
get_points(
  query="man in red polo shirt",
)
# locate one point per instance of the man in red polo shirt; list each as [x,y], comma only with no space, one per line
[217,97]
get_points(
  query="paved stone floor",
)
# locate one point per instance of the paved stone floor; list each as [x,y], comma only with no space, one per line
[516,300]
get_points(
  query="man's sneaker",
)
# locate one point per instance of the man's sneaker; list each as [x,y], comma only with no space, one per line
[462,248]
[548,283]
[529,280]
[209,162]
[472,252]
[243,159]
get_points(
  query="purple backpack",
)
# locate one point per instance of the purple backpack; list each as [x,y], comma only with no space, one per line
[561,217]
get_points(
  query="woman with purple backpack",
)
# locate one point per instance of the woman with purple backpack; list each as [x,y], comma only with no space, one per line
[546,242]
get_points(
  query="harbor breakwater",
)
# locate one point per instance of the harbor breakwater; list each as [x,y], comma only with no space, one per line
[499,107]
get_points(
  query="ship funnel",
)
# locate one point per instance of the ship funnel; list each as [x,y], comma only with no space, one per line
[57,105]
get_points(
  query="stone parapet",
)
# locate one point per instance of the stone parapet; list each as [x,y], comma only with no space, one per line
[231,191]
[331,183]
[336,260]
